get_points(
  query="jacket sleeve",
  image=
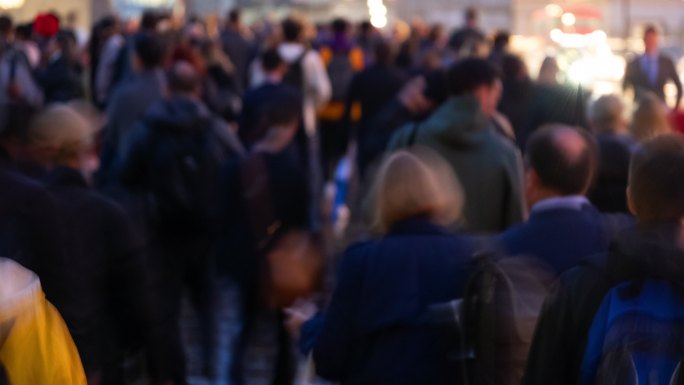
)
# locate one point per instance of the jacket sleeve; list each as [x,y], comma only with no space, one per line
[134,158]
[672,75]
[335,344]
[516,209]
[628,80]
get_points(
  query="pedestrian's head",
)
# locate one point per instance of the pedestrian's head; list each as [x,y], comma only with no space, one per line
[184,80]
[656,180]
[150,20]
[651,39]
[650,119]
[24,32]
[340,26]
[234,16]
[471,17]
[385,53]
[150,51]
[607,115]
[6,26]
[416,183]
[501,40]
[479,78]
[548,72]
[62,136]
[292,30]
[366,28]
[561,161]
[273,64]
[513,68]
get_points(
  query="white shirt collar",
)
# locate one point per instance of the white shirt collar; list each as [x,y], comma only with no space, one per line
[572,202]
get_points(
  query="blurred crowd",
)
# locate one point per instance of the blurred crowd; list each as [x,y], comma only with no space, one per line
[408,206]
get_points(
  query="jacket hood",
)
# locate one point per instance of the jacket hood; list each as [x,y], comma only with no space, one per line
[650,251]
[460,123]
[178,114]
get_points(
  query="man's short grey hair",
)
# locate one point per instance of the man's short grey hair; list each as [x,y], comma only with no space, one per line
[606,114]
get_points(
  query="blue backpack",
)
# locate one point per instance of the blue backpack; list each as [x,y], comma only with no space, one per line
[637,336]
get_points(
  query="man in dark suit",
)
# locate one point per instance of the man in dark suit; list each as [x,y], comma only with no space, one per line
[237,47]
[651,71]
[564,226]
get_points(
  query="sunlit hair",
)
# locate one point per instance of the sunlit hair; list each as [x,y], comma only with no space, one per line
[606,115]
[412,183]
[61,133]
[650,120]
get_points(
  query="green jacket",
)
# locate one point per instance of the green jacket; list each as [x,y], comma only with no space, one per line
[488,165]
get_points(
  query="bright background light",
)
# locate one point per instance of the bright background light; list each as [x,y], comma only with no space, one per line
[554,10]
[568,19]
[11,4]
[378,13]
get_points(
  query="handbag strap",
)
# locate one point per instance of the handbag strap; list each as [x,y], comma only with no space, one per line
[256,194]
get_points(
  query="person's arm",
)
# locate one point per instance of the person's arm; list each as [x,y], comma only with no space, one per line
[317,79]
[628,80]
[674,76]
[353,96]
[134,155]
[105,70]
[333,349]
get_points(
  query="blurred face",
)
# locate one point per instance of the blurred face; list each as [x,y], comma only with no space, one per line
[651,42]
[489,97]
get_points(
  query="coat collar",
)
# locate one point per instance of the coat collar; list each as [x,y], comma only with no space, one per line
[66,177]
[420,225]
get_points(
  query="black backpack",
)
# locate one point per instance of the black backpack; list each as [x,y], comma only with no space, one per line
[295,73]
[183,177]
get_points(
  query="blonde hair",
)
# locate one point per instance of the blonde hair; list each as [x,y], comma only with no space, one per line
[415,182]
[650,120]
[61,133]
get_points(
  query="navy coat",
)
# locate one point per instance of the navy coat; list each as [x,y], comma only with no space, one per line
[375,330]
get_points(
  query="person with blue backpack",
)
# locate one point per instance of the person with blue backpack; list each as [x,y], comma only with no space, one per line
[618,317]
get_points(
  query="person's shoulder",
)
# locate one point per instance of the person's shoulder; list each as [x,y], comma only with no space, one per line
[399,139]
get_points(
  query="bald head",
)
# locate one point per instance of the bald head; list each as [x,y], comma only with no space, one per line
[564,159]
[184,79]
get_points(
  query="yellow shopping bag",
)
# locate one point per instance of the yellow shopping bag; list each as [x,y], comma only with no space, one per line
[35,344]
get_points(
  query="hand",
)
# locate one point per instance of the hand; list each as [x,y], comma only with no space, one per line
[412,96]
[298,314]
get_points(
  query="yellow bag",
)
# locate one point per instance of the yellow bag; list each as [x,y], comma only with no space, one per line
[35,344]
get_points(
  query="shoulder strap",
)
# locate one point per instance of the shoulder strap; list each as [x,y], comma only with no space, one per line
[256,194]
[414,133]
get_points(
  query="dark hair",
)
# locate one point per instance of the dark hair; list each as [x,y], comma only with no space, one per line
[6,24]
[656,179]
[385,54]
[271,60]
[149,20]
[468,74]
[284,107]
[107,22]
[471,14]
[24,31]
[292,30]
[365,27]
[340,26]
[234,15]
[150,50]
[183,78]
[437,86]
[567,170]
[513,67]
[501,39]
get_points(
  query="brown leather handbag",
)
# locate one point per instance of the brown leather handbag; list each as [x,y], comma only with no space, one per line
[291,260]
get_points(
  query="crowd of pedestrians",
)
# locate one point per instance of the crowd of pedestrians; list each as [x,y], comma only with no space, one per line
[500,228]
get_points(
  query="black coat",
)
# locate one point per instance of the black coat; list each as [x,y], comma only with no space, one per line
[107,269]
[60,82]
[30,232]
[561,336]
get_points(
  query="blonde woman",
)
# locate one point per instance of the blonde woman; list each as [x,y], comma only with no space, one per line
[650,119]
[372,332]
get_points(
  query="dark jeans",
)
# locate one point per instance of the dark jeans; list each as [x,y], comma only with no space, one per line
[179,263]
[334,142]
[253,313]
